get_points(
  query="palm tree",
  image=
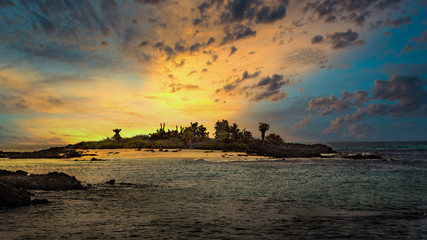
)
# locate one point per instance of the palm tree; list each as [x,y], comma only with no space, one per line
[263,127]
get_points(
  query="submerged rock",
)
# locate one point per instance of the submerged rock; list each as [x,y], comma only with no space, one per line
[363,156]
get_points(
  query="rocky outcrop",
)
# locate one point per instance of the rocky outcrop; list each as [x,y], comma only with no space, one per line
[13,197]
[290,150]
[50,181]
[55,152]
[14,186]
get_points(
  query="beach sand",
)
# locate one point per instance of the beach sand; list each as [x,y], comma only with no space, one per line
[196,154]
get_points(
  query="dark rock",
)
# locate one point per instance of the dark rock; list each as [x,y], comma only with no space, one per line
[55,152]
[363,156]
[13,197]
[111,182]
[50,181]
[290,150]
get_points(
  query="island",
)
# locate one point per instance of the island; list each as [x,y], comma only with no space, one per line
[227,137]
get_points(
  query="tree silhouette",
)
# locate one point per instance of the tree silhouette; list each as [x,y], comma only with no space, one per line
[263,127]
[117,136]
[274,139]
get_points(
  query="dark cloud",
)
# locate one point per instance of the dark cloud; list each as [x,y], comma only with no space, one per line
[232,86]
[344,39]
[397,97]
[253,10]
[104,44]
[356,11]
[238,32]
[174,87]
[180,64]
[317,39]
[327,105]
[143,44]
[269,15]
[210,41]
[192,72]
[268,88]
[195,47]
[196,21]
[233,49]
[237,10]
[399,21]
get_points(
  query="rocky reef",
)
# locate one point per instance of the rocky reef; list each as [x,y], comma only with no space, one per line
[14,186]
[290,150]
[55,152]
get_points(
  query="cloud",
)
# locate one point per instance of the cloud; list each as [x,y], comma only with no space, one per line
[355,11]
[238,10]
[397,97]
[175,87]
[399,21]
[307,56]
[344,39]
[268,88]
[269,15]
[233,49]
[238,32]
[232,86]
[317,39]
[104,44]
[331,103]
[305,120]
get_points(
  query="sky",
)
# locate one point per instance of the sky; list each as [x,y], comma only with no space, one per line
[316,71]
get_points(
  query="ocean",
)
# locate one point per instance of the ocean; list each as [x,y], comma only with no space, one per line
[184,198]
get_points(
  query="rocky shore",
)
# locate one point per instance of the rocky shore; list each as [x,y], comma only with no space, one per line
[55,152]
[14,186]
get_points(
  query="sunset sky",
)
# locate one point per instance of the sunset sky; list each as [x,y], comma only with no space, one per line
[334,70]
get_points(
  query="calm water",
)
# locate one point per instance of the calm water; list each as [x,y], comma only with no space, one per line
[183,198]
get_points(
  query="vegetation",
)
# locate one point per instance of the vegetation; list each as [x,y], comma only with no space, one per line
[228,137]
[263,127]
[274,139]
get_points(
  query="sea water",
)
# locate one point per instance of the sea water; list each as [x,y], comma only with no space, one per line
[180,198]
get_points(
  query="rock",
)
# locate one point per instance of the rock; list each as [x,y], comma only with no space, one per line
[50,181]
[111,182]
[55,152]
[13,197]
[363,156]
[290,150]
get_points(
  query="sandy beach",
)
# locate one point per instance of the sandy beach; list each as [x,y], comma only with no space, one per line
[196,154]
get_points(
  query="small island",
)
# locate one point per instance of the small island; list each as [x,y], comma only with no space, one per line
[227,137]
